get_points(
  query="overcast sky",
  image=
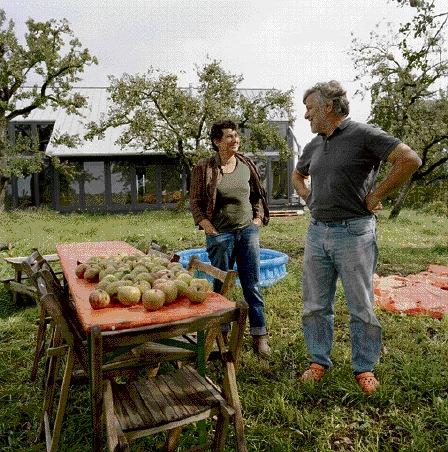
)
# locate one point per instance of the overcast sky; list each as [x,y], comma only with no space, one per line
[272,43]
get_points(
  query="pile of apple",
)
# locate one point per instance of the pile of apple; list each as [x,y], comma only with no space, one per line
[135,278]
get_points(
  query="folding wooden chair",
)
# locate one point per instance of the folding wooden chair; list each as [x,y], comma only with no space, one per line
[167,402]
[227,279]
[63,343]
[31,266]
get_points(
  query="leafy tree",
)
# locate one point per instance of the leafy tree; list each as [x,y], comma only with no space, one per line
[158,114]
[405,72]
[33,75]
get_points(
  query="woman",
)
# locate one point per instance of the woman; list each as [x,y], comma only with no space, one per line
[228,202]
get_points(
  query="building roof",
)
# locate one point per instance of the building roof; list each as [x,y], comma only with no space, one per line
[72,124]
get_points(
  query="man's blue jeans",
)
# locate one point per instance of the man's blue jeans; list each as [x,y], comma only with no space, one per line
[346,249]
[243,247]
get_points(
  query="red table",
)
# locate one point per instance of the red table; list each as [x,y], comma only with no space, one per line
[121,317]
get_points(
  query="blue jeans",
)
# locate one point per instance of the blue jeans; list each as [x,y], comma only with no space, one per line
[345,249]
[243,247]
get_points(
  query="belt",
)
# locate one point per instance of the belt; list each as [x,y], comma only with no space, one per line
[334,223]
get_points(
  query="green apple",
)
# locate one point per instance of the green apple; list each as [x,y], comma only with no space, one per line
[128,295]
[170,290]
[182,286]
[196,293]
[184,276]
[153,299]
[200,284]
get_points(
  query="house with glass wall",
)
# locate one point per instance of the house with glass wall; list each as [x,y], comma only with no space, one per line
[119,179]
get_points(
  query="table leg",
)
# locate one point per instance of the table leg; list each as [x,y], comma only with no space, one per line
[18,279]
[95,346]
[200,338]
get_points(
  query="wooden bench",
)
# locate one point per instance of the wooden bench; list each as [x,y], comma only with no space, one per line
[17,284]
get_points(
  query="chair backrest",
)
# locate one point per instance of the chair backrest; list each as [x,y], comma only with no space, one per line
[56,304]
[227,278]
[35,263]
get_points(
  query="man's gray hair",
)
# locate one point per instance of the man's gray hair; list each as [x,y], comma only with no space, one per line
[331,91]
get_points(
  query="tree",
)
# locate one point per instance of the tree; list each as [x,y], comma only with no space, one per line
[157,114]
[39,73]
[405,72]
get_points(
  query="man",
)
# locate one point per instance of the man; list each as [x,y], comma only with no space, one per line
[343,161]
[228,202]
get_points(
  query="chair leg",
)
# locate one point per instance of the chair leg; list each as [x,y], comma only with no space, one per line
[62,401]
[222,426]
[49,384]
[231,392]
[40,343]
[172,439]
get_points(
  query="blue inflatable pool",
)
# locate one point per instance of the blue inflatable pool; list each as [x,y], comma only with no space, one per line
[272,264]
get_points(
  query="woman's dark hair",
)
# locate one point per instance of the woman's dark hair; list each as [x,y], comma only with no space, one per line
[216,131]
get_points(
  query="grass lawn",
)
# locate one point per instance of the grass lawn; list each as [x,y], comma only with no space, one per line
[409,413]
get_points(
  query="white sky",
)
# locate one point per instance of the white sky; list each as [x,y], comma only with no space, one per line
[272,43]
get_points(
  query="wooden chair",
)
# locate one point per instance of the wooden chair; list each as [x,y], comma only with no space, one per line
[227,278]
[167,402]
[31,266]
[63,343]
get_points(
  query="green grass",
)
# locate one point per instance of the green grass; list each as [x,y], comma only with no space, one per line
[409,413]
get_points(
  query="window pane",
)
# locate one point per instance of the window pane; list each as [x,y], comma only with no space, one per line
[171,183]
[94,186]
[25,191]
[146,184]
[44,133]
[23,130]
[120,182]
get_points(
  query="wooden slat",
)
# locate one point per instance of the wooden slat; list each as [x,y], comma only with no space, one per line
[135,395]
[128,408]
[198,381]
[153,401]
[156,400]
[187,409]
[20,259]
[201,396]
[172,400]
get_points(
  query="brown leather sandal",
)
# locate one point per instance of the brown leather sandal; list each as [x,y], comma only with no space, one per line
[314,373]
[367,382]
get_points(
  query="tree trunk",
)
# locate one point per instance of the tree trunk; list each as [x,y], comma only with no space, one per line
[3,185]
[3,179]
[398,205]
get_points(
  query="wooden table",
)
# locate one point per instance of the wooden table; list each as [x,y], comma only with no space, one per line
[118,329]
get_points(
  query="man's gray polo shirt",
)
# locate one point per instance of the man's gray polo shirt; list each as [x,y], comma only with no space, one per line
[343,168]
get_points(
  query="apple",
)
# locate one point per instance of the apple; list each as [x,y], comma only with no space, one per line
[184,276]
[153,299]
[80,270]
[143,285]
[200,283]
[198,290]
[170,290]
[99,299]
[182,286]
[91,274]
[174,266]
[128,295]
